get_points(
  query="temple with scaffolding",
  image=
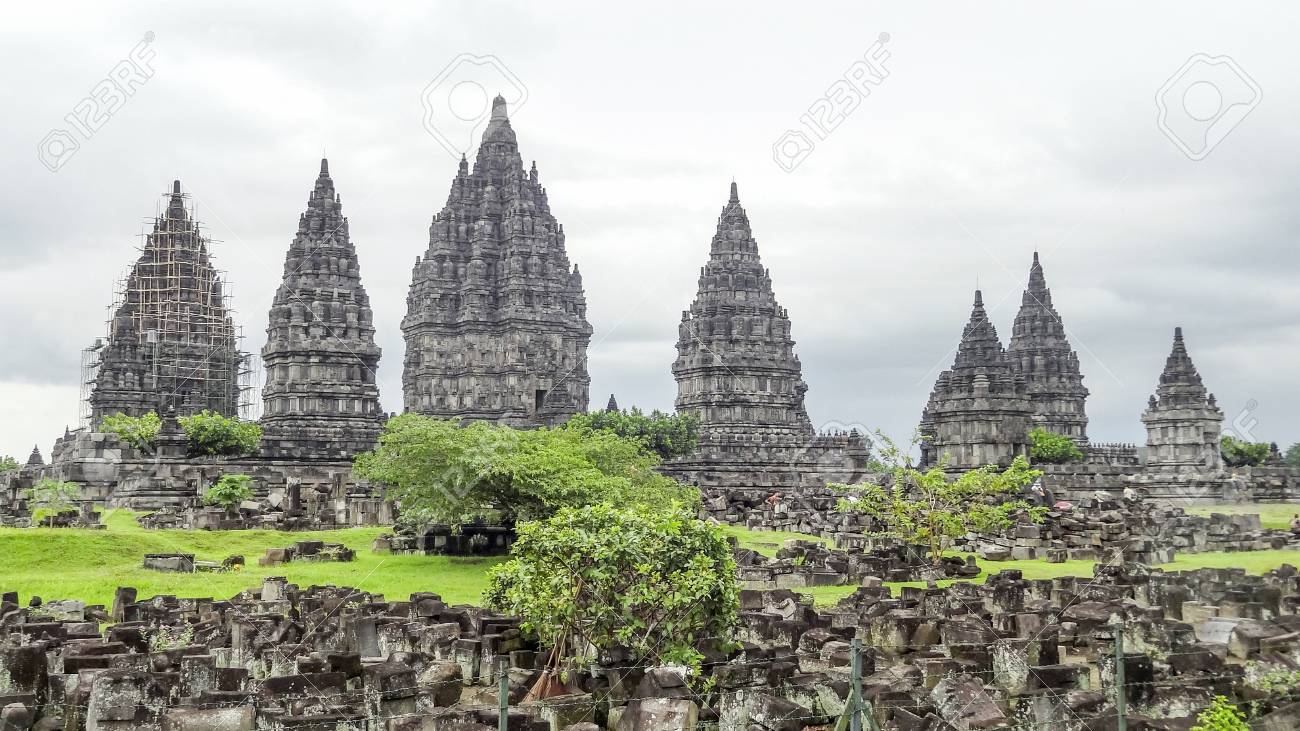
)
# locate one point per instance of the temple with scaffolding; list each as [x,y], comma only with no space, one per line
[171,343]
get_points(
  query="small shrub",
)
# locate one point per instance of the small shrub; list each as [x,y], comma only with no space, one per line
[8,464]
[137,431]
[54,496]
[650,581]
[230,491]
[214,434]
[1222,715]
[1046,447]
[171,638]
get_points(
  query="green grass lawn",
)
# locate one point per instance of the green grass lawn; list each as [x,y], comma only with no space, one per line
[62,563]
[1271,515]
[766,542]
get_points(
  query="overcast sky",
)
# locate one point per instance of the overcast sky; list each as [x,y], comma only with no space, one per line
[998,130]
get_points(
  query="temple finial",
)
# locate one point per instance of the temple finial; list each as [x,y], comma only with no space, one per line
[324,167]
[176,187]
[499,107]
[735,194]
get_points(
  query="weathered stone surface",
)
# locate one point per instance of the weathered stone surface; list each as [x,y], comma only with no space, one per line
[320,400]
[1182,419]
[737,372]
[171,342]
[979,410]
[1040,352]
[659,714]
[496,322]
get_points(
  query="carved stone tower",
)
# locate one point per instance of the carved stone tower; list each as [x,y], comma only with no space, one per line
[496,321]
[1182,419]
[979,410]
[320,400]
[171,342]
[1040,352]
[736,370]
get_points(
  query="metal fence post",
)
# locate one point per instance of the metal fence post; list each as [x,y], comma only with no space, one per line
[503,694]
[855,692]
[1121,693]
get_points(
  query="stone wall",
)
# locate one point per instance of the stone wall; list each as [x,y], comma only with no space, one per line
[1010,653]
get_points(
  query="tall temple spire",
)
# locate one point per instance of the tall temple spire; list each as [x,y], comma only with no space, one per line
[171,342]
[978,412]
[320,400]
[496,325]
[1041,353]
[738,374]
[1182,419]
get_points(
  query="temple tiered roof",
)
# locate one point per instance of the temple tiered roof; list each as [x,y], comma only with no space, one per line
[496,325]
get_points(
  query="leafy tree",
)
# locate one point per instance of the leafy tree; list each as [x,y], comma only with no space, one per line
[54,496]
[926,507]
[657,583]
[1222,715]
[668,435]
[8,464]
[1046,447]
[453,473]
[1292,457]
[137,431]
[229,491]
[212,433]
[1240,453]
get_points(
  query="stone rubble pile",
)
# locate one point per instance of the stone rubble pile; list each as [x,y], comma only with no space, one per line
[809,510]
[469,540]
[1142,532]
[808,563]
[1011,653]
[289,508]
[307,551]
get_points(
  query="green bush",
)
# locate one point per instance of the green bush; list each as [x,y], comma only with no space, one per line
[1222,715]
[213,434]
[8,464]
[656,583]
[667,435]
[1240,453]
[54,496]
[230,491]
[925,507]
[1046,447]
[451,473]
[137,431]
[1292,457]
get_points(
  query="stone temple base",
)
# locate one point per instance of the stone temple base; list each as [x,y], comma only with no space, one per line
[776,462]
[117,476]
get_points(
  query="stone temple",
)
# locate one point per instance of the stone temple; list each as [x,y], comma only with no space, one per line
[171,344]
[1182,419]
[979,410]
[496,322]
[1040,352]
[320,400]
[737,372]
